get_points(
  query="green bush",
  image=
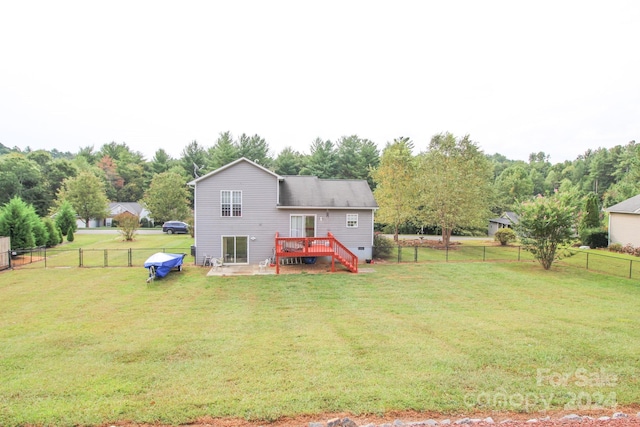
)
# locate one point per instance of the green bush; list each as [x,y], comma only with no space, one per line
[505,236]
[594,238]
[70,235]
[53,232]
[382,246]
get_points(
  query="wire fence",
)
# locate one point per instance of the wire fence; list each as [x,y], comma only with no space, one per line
[42,257]
[579,258]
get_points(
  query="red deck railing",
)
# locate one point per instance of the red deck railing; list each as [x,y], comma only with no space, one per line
[300,247]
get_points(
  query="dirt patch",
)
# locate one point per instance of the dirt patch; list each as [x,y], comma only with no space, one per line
[318,267]
[507,419]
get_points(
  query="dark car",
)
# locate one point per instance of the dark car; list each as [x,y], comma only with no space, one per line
[171,227]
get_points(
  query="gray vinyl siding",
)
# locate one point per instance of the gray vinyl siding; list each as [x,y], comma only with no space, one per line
[259,218]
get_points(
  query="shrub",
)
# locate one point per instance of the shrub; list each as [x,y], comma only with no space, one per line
[594,237]
[382,246]
[127,225]
[505,236]
[52,232]
[545,226]
[615,247]
[70,235]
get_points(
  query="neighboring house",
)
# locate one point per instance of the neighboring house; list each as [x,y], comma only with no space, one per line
[506,220]
[134,208]
[624,222]
[93,223]
[115,208]
[241,207]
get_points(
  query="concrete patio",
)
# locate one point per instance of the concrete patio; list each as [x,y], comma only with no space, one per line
[251,270]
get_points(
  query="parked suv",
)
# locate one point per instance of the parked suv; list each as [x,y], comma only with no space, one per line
[171,227]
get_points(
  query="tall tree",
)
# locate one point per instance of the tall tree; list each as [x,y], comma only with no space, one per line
[454,184]
[88,154]
[591,213]
[538,169]
[39,230]
[369,159]
[288,162]
[193,159]
[114,182]
[601,171]
[86,193]
[223,152]
[161,161]
[323,161]
[356,157]
[55,173]
[133,176]
[513,185]
[121,153]
[347,156]
[55,237]
[15,223]
[395,184]
[167,198]
[255,149]
[66,218]
[22,177]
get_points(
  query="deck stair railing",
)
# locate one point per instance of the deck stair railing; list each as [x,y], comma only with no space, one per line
[304,247]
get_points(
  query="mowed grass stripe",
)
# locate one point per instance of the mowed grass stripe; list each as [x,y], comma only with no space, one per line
[88,346]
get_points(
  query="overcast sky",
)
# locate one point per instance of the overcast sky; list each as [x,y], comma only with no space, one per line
[518,77]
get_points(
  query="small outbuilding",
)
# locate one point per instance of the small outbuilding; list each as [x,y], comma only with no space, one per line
[506,220]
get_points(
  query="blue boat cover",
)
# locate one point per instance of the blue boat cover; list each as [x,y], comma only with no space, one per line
[163,262]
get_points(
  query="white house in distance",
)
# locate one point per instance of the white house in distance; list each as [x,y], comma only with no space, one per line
[624,222]
[244,213]
[115,208]
[134,208]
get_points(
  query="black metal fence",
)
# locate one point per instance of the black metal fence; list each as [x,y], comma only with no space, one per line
[52,257]
[598,261]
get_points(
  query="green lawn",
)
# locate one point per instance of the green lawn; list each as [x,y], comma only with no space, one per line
[98,345]
[110,249]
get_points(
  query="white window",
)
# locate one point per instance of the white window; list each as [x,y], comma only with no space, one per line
[352,220]
[231,203]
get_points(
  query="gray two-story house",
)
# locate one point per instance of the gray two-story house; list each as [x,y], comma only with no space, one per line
[245,213]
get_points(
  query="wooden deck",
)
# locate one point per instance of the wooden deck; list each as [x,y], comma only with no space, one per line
[305,247]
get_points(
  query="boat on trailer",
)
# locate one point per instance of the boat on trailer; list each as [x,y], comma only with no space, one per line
[161,263]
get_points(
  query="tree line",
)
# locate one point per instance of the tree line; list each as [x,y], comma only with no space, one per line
[452,186]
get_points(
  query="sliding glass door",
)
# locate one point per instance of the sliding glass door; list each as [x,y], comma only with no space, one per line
[303,226]
[235,249]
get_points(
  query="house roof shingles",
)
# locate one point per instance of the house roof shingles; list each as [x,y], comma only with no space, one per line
[119,207]
[629,206]
[507,218]
[312,192]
